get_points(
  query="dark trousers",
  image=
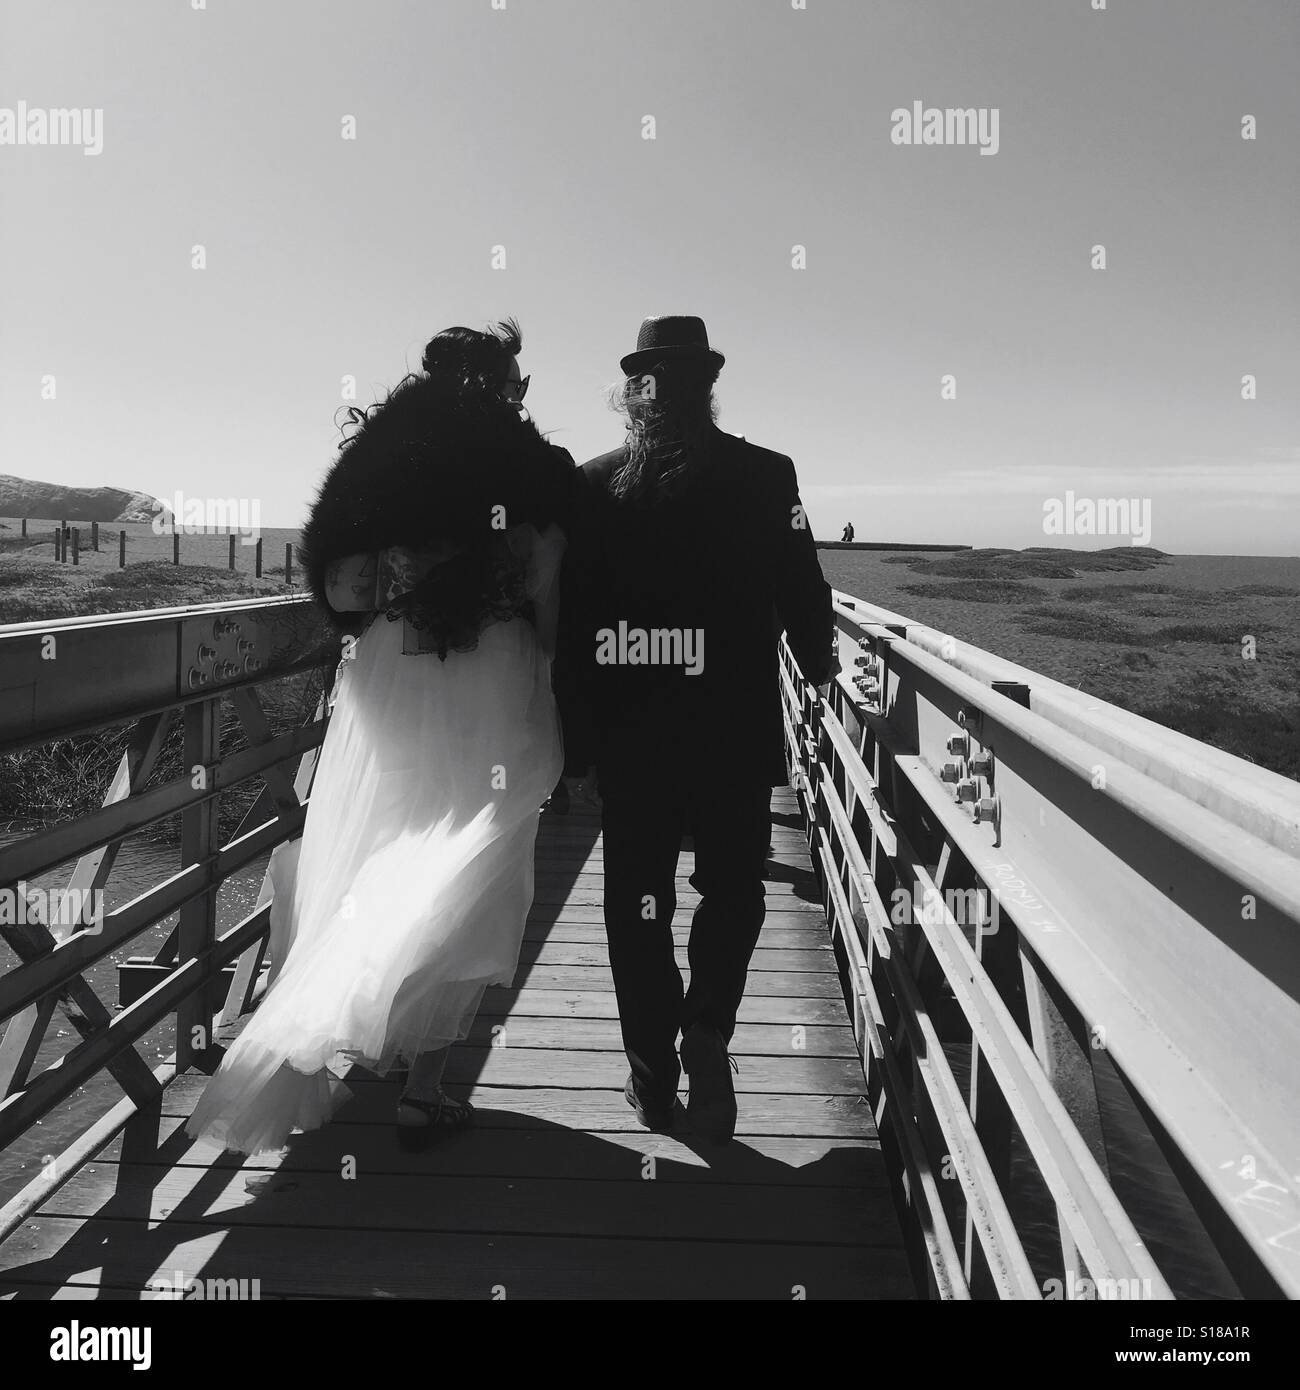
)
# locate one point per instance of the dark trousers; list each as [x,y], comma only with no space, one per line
[643,823]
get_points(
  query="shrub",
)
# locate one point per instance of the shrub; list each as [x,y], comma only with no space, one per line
[977,591]
[1075,626]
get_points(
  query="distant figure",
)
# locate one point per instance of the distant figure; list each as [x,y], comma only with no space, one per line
[848,533]
[684,533]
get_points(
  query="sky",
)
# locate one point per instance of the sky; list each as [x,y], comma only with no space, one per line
[520,124]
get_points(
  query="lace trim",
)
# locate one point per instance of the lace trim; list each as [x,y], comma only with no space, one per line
[447,609]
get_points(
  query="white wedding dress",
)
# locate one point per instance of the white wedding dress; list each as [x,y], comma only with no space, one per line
[407,894]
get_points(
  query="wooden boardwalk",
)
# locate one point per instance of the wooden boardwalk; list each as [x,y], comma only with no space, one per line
[557,1192]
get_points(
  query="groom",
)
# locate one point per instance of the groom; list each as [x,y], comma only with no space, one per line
[689,556]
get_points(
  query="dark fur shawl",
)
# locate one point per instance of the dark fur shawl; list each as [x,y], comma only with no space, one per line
[428,466]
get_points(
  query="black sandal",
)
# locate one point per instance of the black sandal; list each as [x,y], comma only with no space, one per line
[445,1113]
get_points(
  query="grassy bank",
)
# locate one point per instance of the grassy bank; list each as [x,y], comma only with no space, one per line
[33,585]
[1207,645]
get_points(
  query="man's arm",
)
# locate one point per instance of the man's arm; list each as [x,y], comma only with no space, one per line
[803,598]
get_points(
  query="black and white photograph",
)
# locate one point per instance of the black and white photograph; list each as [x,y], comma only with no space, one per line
[649,652]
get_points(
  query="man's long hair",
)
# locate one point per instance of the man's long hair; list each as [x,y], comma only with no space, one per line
[670,411]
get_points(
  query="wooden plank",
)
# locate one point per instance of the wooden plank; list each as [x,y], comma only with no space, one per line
[784,912]
[781,983]
[559,863]
[557,829]
[784,862]
[786,844]
[603,1035]
[552,1003]
[530,1002]
[589,888]
[403,1264]
[573,866]
[807,938]
[534,1107]
[594,877]
[21,1041]
[550,952]
[100,1293]
[788,1074]
[798,1161]
[789,856]
[518,1204]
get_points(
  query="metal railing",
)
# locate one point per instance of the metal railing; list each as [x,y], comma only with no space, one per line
[1030,889]
[1025,886]
[144,670]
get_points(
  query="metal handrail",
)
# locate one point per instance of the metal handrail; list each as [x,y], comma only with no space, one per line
[1058,857]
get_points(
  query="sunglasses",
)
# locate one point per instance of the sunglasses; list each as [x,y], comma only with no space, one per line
[516,390]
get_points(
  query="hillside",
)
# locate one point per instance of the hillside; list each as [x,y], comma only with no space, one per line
[53,502]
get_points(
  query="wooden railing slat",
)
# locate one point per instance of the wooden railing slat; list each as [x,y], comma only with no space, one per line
[40,851]
[19,1112]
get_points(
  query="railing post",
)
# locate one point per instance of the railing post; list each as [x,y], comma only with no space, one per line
[176,546]
[121,550]
[24,528]
[257,559]
[94,535]
[288,563]
[997,951]
[76,545]
[200,840]
[230,563]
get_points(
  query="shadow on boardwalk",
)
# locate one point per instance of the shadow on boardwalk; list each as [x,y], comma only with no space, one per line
[557,1192]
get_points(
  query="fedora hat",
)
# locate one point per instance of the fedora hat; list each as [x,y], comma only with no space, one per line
[667,338]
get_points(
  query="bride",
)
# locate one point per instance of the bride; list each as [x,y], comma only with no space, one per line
[434,544]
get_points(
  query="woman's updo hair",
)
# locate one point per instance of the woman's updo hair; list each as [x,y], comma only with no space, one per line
[470,358]
[435,464]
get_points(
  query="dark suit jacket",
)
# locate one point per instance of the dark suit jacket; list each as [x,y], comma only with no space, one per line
[725,561]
